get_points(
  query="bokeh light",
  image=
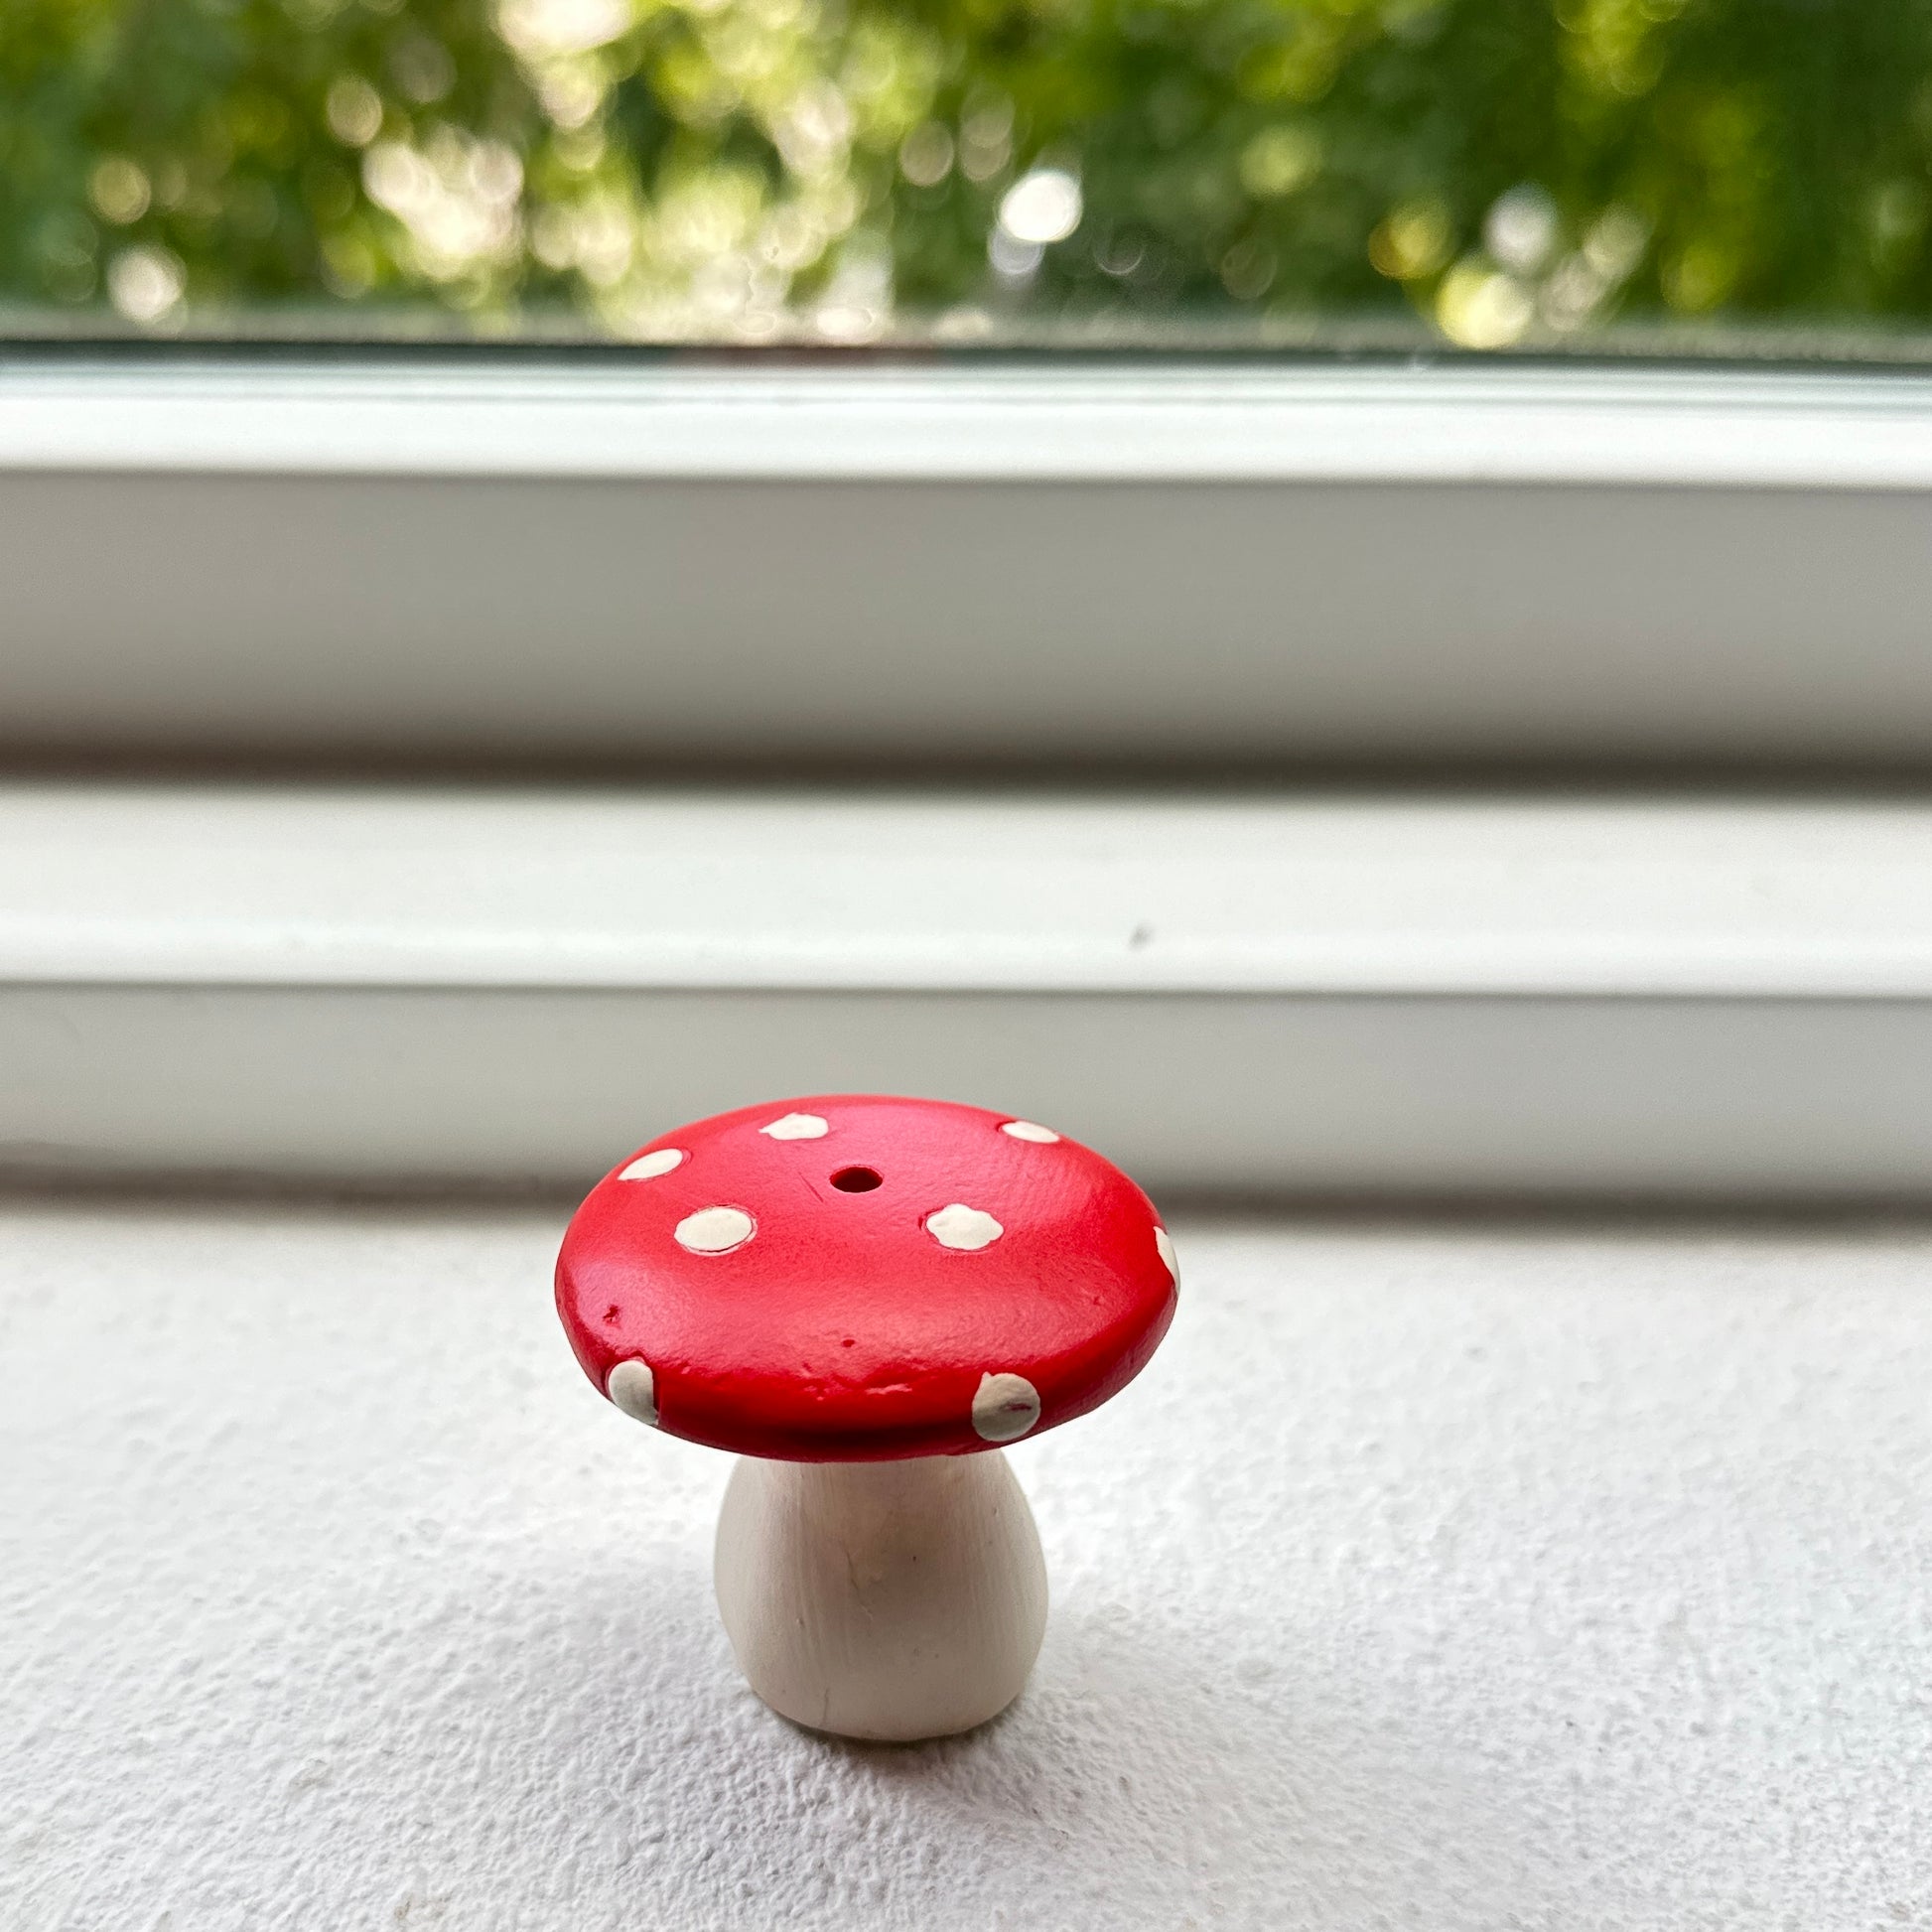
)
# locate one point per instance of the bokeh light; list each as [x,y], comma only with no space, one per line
[1490,173]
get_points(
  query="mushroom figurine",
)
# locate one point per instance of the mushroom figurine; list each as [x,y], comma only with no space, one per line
[864,1299]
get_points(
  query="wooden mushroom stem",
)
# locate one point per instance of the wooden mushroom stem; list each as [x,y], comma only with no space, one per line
[888,1600]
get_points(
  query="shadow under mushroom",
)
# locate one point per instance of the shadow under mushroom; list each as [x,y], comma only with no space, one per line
[1170,1775]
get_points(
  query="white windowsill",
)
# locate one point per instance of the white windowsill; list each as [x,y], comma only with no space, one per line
[1433,1573]
[1430,1576]
[1699,999]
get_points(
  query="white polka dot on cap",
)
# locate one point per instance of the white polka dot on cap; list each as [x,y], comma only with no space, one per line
[959,1226]
[1163,1245]
[1004,1407]
[715,1231]
[634,1389]
[647,1167]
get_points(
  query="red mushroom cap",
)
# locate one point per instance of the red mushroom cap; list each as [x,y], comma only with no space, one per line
[849,1279]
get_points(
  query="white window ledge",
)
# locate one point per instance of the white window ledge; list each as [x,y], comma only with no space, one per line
[1699,999]
[1172,564]
[1446,1577]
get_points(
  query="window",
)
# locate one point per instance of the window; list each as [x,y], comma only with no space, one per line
[345,444]
[1646,176]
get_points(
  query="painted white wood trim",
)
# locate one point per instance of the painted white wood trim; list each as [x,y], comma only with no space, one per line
[953,891]
[1060,421]
[1029,565]
[1664,1000]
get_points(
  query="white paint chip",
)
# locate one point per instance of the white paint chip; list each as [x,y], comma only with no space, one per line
[715,1231]
[1165,1242]
[647,1167]
[959,1226]
[1004,1407]
[797,1127]
[634,1389]
[1027,1130]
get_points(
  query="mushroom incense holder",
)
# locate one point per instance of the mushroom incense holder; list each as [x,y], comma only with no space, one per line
[864,1297]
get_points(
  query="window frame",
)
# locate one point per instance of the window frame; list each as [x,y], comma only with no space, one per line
[405,563]
[1172,564]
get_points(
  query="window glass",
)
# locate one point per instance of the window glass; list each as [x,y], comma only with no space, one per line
[1675,176]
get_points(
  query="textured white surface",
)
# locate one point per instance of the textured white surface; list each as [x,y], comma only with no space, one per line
[1445,1577]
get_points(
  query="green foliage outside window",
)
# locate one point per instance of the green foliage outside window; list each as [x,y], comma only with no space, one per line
[1494,171]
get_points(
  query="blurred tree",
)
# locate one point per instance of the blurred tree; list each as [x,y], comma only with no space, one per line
[1501,171]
